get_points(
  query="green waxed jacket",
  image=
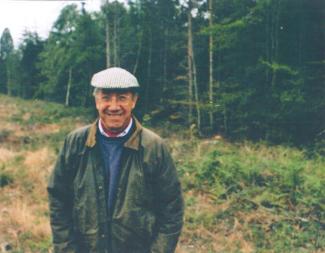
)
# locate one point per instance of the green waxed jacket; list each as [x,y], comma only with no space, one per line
[148,211]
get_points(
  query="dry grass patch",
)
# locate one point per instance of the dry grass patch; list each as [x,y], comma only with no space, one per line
[6,155]
[38,166]
[23,209]
[39,160]
[21,219]
[39,129]
[203,232]
[6,108]
[48,128]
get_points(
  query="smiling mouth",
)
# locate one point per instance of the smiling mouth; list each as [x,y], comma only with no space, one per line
[113,114]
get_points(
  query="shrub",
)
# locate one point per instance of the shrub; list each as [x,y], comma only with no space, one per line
[5,178]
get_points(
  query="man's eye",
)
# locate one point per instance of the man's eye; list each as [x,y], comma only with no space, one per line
[122,98]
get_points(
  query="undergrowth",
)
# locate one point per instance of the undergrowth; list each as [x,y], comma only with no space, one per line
[240,197]
[274,195]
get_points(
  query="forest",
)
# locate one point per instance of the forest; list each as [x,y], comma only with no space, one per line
[245,69]
[235,87]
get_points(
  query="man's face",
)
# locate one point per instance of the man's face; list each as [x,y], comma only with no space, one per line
[115,108]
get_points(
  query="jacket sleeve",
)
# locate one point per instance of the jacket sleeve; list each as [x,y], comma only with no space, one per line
[169,203]
[60,204]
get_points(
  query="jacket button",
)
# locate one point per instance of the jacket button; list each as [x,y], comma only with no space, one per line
[103,235]
[100,187]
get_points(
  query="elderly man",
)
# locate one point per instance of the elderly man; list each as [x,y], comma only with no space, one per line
[114,187]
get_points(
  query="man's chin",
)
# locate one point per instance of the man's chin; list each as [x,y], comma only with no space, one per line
[115,128]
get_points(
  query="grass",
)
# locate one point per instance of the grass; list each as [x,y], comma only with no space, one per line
[240,197]
[270,198]
[31,134]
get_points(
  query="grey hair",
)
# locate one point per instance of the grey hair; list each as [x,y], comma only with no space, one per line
[96,91]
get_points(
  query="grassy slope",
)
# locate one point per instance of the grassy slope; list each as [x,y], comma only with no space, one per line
[254,198]
[239,197]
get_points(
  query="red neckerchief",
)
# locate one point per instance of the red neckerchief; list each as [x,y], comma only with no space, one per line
[110,133]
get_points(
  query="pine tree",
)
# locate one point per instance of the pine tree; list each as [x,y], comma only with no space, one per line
[7,59]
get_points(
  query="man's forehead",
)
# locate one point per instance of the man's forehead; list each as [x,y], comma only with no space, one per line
[113,91]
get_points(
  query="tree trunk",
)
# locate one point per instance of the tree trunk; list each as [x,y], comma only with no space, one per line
[300,37]
[115,39]
[9,82]
[275,39]
[107,38]
[108,62]
[67,96]
[225,119]
[192,73]
[138,53]
[10,72]
[211,65]
[267,42]
[277,27]
[165,60]
[189,64]
[118,60]
[196,95]
[148,81]
[219,78]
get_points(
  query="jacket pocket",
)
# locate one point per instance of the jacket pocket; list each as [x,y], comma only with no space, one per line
[88,241]
[135,227]
[85,219]
[128,241]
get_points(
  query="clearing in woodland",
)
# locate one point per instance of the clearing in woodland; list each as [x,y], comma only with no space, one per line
[240,197]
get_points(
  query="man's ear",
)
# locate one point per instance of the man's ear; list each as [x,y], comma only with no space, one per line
[96,103]
[135,99]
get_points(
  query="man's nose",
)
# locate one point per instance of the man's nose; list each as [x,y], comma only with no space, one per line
[114,104]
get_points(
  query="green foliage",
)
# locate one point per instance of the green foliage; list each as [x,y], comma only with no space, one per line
[30,48]
[27,242]
[73,46]
[9,60]
[280,185]
[272,195]
[267,63]
[37,114]
[4,134]
[6,44]
[40,112]
[6,178]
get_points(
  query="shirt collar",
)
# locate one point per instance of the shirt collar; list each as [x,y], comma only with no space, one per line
[133,141]
[123,133]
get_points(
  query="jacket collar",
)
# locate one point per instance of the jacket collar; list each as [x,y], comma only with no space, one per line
[133,142]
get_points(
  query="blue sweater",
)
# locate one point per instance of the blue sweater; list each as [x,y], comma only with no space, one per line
[111,149]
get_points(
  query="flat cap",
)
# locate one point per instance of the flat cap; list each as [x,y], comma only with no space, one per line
[114,78]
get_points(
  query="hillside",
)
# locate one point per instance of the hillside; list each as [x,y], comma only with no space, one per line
[240,197]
